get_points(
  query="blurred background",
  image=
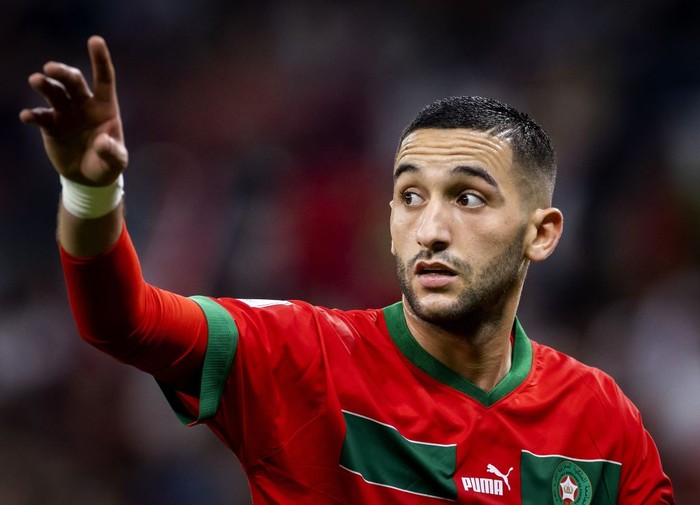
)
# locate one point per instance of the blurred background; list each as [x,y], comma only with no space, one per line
[261,137]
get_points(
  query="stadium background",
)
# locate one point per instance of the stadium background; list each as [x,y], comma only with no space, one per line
[261,137]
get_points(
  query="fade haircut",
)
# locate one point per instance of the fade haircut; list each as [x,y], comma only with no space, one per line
[532,149]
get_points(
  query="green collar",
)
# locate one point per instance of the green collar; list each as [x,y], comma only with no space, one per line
[522,359]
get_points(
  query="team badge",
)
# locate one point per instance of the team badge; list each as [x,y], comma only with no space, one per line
[571,485]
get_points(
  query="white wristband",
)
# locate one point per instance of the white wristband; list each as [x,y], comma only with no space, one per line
[90,202]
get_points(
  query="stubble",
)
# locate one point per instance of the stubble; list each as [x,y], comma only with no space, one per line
[485,293]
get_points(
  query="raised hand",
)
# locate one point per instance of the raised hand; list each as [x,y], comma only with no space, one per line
[81,128]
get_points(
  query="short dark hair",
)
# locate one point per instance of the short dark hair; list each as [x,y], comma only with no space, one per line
[532,148]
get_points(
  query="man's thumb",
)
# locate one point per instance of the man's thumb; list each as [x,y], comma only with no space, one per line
[111,151]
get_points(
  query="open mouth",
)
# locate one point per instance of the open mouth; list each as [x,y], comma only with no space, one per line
[434,276]
[425,268]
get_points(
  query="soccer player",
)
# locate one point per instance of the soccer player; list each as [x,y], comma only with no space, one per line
[440,397]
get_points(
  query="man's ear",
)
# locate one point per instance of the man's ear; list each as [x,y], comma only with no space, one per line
[546,226]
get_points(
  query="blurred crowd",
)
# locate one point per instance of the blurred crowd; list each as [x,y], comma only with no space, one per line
[261,137]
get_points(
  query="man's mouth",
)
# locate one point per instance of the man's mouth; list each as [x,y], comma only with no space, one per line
[432,275]
[433,268]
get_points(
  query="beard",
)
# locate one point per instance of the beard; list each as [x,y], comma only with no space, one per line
[484,295]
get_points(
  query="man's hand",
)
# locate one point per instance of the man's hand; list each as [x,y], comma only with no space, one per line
[81,128]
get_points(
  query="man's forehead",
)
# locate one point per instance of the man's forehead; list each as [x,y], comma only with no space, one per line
[447,143]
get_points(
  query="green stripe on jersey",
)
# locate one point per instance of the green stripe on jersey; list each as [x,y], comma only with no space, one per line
[558,479]
[221,347]
[520,367]
[382,456]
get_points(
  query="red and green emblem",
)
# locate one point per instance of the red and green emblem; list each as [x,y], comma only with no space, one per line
[571,485]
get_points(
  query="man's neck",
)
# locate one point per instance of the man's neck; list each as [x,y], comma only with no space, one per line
[482,356]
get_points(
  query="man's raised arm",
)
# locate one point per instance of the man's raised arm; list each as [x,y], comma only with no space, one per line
[82,133]
[114,308]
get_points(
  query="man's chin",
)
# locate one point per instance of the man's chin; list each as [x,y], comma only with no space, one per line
[436,308]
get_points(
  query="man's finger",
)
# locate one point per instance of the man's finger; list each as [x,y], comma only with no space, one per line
[102,68]
[52,90]
[43,117]
[71,78]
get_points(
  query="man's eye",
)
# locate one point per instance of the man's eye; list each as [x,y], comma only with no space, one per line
[410,198]
[470,200]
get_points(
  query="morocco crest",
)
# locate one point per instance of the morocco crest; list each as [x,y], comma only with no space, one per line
[570,485]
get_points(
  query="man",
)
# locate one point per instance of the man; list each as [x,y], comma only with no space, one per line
[440,397]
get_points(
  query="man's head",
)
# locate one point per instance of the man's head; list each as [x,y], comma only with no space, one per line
[533,152]
[473,183]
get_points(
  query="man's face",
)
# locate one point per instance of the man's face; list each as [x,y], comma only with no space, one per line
[458,224]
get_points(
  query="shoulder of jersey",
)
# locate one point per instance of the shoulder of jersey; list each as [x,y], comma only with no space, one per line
[560,368]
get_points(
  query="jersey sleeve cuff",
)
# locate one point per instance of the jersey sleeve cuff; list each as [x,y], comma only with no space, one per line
[221,349]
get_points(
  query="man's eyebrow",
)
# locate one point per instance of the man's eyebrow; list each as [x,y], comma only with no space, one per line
[476,172]
[403,168]
[460,169]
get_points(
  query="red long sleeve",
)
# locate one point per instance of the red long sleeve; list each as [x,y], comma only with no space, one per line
[115,310]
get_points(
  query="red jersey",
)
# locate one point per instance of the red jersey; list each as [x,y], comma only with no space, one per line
[325,406]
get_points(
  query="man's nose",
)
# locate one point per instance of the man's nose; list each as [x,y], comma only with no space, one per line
[433,230]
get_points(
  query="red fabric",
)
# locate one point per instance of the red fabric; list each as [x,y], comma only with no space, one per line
[115,310]
[298,368]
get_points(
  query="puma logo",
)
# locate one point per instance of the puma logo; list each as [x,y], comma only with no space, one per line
[492,469]
[485,485]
